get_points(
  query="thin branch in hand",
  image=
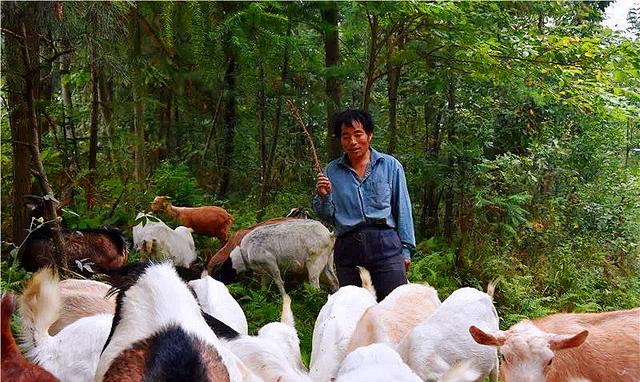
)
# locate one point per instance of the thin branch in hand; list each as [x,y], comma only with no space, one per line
[296,115]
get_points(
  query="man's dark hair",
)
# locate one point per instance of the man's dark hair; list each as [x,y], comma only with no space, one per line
[350,115]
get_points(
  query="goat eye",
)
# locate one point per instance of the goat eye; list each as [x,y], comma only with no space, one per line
[549,363]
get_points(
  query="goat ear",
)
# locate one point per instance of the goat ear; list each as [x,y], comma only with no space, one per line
[487,338]
[566,341]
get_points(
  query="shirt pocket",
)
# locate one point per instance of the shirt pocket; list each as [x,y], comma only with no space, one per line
[379,195]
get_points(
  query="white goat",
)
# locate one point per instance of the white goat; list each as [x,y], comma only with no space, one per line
[335,325]
[297,246]
[274,354]
[72,354]
[158,319]
[375,363]
[390,320]
[443,340]
[215,299]
[82,298]
[158,241]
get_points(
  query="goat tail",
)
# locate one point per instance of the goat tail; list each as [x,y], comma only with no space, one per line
[491,287]
[40,306]
[461,372]
[286,317]
[365,277]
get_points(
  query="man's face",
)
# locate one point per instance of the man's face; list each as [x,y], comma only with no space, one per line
[355,141]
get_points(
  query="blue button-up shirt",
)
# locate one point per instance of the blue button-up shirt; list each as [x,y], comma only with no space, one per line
[381,194]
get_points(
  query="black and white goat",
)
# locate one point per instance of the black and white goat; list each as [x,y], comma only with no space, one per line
[159,332]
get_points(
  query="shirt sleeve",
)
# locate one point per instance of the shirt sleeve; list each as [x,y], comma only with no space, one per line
[324,207]
[401,209]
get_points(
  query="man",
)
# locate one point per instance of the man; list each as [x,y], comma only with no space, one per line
[364,194]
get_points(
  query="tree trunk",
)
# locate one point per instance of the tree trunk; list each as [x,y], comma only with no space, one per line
[139,173]
[28,50]
[261,103]
[393,80]
[105,97]
[449,196]
[229,117]
[275,132]
[371,65]
[431,195]
[330,16]
[67,103]
[93,131]
[20,133]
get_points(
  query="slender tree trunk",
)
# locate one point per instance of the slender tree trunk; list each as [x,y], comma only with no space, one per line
[371,64]
[262,105]
[105,96]
[431,195]
[67,103]
[449,196]
[212,132]
[330,15]
[229,117]
[271,149]
[393,80]
[262,154]
[93,135]
[138,109]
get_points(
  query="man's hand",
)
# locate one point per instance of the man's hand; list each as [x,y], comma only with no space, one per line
[407,264]
[323,186]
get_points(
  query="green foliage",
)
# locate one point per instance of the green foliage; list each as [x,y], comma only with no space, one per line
[176,180]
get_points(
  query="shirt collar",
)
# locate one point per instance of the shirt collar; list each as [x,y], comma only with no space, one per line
[375,157]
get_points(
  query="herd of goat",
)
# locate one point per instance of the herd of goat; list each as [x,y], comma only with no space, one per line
[156,321]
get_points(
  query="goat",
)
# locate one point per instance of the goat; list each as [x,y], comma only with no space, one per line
[223,253]
[207,220]
[159,332]
[157,241]
[299,213]
[564,346]
[215,299]
[375,363]
[443,340]
[274,354]
[16,368]
[296,246]
[335,325]
[390,320]
[82,298]
[107,248]
[380,363]
[72,354]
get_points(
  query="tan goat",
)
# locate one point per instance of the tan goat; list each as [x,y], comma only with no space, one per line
[207,220]
[568,346]
[395,316]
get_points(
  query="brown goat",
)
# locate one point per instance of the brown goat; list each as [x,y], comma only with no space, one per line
[566,346]
[16,368]
[207,220]
[224,252]
[106,248]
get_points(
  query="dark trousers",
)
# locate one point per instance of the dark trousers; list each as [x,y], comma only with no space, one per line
[379,250]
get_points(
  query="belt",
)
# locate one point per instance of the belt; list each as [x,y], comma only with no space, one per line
[368,221]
